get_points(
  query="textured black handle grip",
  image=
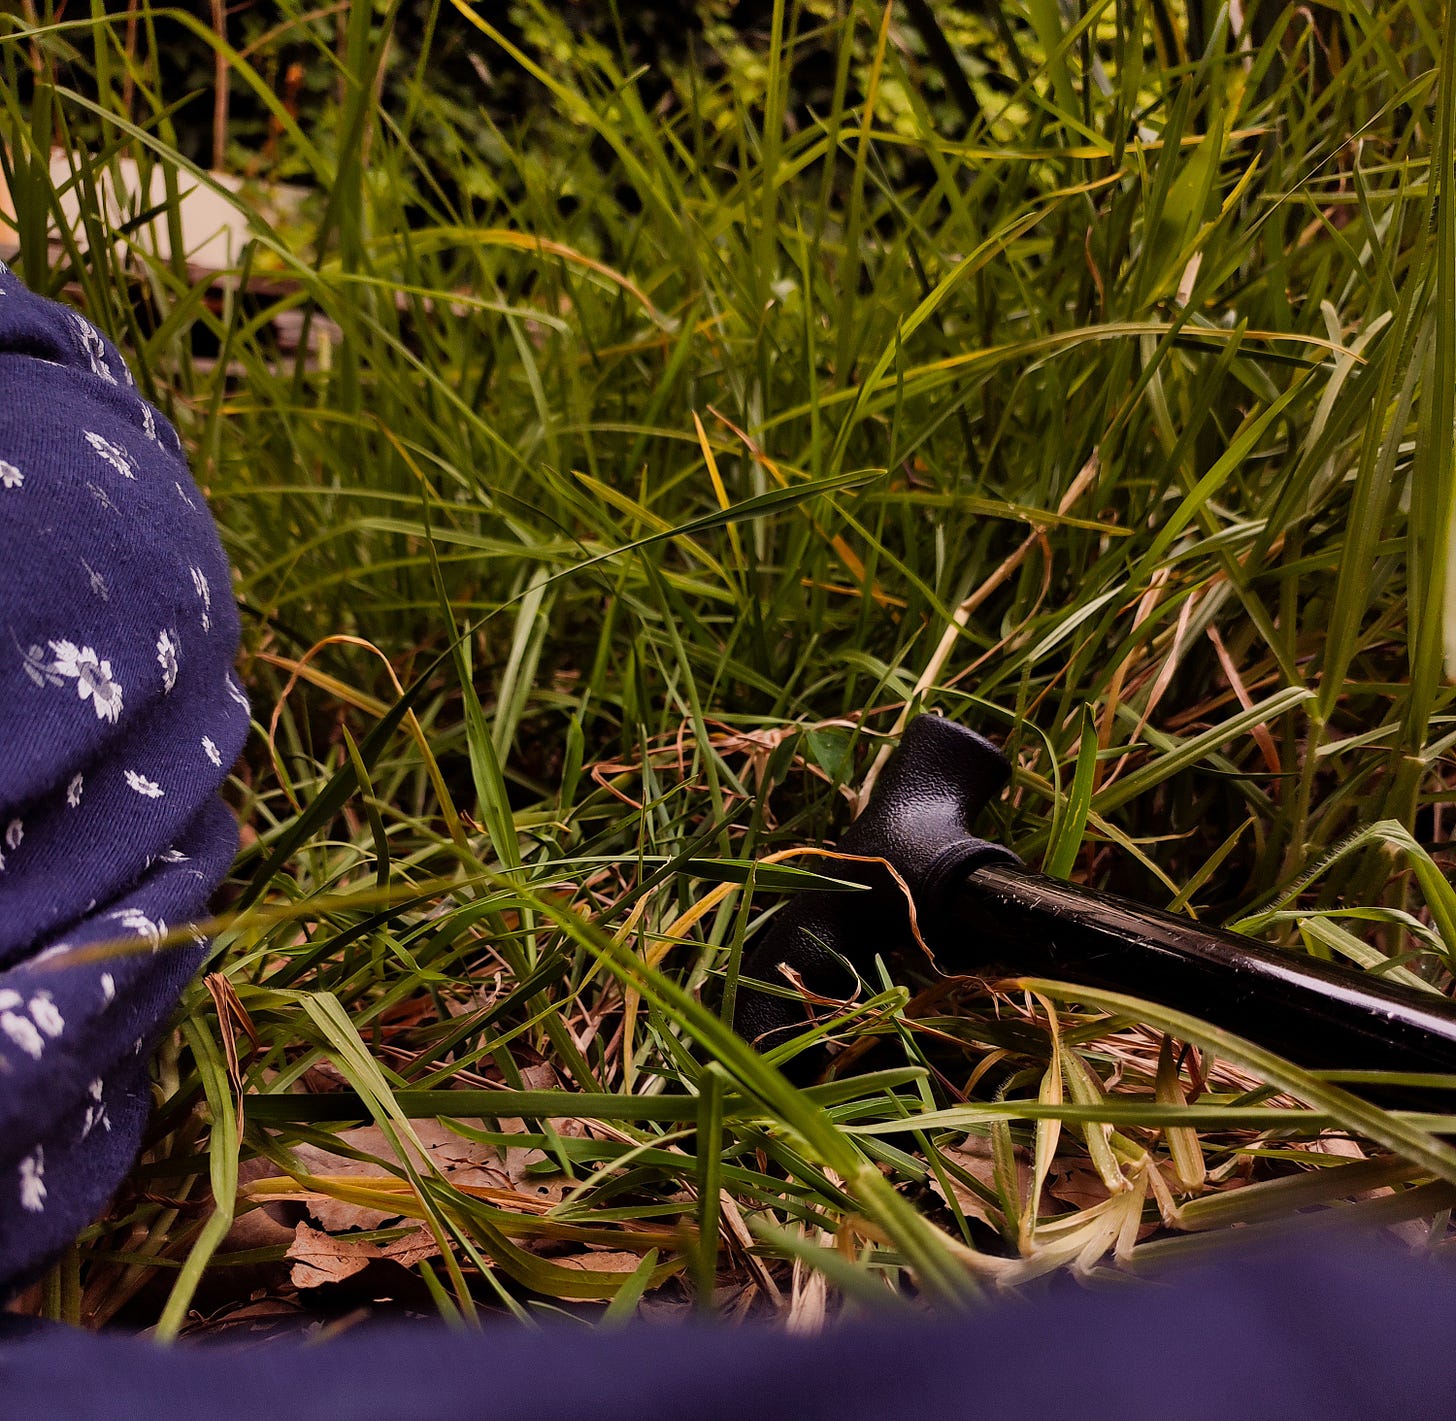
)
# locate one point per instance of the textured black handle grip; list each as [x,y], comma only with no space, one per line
[940,777]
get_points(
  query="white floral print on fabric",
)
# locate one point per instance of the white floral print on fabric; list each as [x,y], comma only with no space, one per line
[167,657]
[38,668]
[136,921]
[149,789]
[204,593]
[22,1032]
[98,583]
[44,1014]
[112,452]
[235,692]
[103,591]
[96,1111]
[98,608]
[93,347]
[92,676]
[32,1185]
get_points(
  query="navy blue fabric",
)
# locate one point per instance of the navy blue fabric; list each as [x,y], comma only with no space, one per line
[1357,1334]
[119,719]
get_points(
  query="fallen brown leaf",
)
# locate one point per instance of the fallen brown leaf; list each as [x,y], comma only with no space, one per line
[409,1249]
[974,1156]
[1079,1187]
[320,1258]
[592,1262]
[465,1163]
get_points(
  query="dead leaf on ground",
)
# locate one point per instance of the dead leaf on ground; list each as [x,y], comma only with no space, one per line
[266,1226]
[409,1249]
[257,1315]
[464,1162]
[593,1262]
[1079,1187]
[256,1228]
[973,1155]
[320,1258]
[589,1261]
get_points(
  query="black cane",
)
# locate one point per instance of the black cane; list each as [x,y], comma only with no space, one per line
[982,911]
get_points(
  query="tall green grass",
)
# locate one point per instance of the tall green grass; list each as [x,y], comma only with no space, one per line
[651,454]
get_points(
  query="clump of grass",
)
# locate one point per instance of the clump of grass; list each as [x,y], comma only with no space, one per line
[633,483]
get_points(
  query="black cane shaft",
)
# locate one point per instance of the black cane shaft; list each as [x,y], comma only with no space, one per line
[1316,1014]
[984,912]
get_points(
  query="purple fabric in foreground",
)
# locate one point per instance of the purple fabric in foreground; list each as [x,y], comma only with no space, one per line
[1355,1334]
[119,719]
